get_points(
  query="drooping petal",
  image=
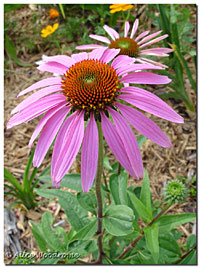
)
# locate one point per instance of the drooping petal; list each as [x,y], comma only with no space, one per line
[135,67]
[36,108]
[70,148]
[43,83]
[145,78]
[145,60]
[89,154]
[80,56]
[90,46]
[149,102]
[140,36]
[122,60]
[113,34]
[109,54]
[126,28]
[144,125]
[129,141]
[149,37]
[100,38]
[48,134]
[62,59]
[97,53]
[154,41]
[115,143]
[158,50]
[36,96]
[43,121]
[53,67]
[134,29]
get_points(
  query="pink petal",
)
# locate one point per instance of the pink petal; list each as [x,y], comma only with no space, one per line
[145,78]
[115,143]
[36,96]
[134,29]
[70,148]
[149,37]
[113,34]
[89,154]
[62,59]
[43,121]
[122,60]
[130,142]
[144,125]
[80,56]
[126,28]
[149,102]
[53,67]
[36,108]
[135,67]
[90,46]
[43,83]
[100,38]
[154,40]
[109,54]
[140,36]
[145,60]
[48,134]
[158,50]
[97,53]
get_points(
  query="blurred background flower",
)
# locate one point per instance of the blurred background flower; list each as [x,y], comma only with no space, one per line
[53,13]
[120,7]
[49,30]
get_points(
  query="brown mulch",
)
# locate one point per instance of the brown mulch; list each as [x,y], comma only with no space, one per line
[162,164]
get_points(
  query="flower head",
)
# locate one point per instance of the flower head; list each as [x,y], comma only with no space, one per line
[133,46]
[89,88]
[120,7]
[53,13]
[174,191]
[49,30]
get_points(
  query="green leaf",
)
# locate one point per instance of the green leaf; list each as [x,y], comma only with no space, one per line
[38,235]
[10,178]
[167,222]
[151,237]
[191,258]
[118,188]
[88,201]
[167,242]
[48,259]
[118,220]
[26,185]
[51,238]
[140,208]
[106,163]
[172,95]
[145,195]
[76,215]
[86,232]
[140,140]
[191,241]
[10,7]
[11,50]
[72,181]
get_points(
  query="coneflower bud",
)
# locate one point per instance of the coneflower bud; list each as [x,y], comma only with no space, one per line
[174,191]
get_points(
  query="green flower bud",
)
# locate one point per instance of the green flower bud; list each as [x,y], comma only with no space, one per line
[174,191]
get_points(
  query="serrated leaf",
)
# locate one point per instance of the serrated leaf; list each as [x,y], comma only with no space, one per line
[140,208]
[151,237]
[38,235]
[118,188]
[88,201]
[76,215]
[167,242]
[72,181]
[118,220]
[86,232]
[145,195]
[167,222]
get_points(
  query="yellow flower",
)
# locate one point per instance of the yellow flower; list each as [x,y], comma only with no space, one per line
[53,13]
[120,7]
[49,30]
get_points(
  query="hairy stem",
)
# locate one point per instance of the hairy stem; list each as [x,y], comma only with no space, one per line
[98,192]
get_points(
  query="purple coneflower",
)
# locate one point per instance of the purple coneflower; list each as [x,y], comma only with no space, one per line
[133,47]
[89,89]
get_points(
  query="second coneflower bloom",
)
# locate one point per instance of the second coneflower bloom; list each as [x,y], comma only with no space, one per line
[133,46]
[89,90]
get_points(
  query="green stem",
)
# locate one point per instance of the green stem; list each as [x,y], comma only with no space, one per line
[98,192]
